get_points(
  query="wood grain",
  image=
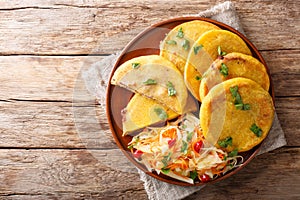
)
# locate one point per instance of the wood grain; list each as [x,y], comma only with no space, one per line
[76,174]
[269,176]
[27,124]
[77,27]
[36,107]
[54,77]
[51,146]
[67,173]
[41,78]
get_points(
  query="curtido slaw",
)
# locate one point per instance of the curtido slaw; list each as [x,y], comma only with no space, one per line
[180,151]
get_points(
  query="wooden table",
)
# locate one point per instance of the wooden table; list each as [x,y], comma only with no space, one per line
[43,45]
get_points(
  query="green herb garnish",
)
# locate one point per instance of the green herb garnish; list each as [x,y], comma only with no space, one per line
[184,147]
[173,42]
[238,103]
[224,143]
[183,126]
[198,78]
[161,113]
[233,91]
[238,99]
[220,52]
[224,70]
[186,44]
[256,130]
[230,165]
[135,65]
[197,49]
[246,106]
[130,146]
[189,136]
[171,89]
[165,170]
[150,82]
[166,159]
[180,33]
[233,153]
[193,174]
[239,106]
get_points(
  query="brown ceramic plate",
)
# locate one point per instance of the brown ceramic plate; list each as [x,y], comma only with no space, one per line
[147,43]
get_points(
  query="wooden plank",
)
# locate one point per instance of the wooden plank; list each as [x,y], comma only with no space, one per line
[68,173]
[288,114]
[285,71]
[54,77]
[53,125]
[42,77]
[76,174]
[27,124]
[273,175]
[77,27]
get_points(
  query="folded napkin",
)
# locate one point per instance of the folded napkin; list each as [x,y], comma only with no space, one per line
[96,78]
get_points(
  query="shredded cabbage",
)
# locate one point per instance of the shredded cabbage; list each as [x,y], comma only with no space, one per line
[172,150]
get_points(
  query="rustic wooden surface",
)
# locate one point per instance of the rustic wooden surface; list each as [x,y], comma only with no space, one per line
[44,44]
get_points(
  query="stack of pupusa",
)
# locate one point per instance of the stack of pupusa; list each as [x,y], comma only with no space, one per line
[221,72]
[236,113]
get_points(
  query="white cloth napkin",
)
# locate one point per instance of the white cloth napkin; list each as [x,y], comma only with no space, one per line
[96,79]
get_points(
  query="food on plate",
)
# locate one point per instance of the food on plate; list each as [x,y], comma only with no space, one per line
[142,111]
[234,65]
[176,45]
[212,44]
[236,114]
[154,77]
[179,150]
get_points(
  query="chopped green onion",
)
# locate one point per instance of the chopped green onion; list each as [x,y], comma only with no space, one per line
[183,126]
[238,103]
[180,33]
[150,82]
[197,49]
[246,106]
[166,159]
[234,91]
[171,89]
[239,106]
[184,147]
[198,78]
[224,143]
[186,44]
[165,170]
[256,130]
[161,113]
[233,153]
[135,65]
[189,136]
[224,70]
[193,174]
[238,99]
[171,42]
[220,52]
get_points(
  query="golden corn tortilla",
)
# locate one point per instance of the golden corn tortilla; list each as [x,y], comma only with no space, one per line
[141,112]
[137,74]
[191,30]
[220,119]
[238,65]
[198,63]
